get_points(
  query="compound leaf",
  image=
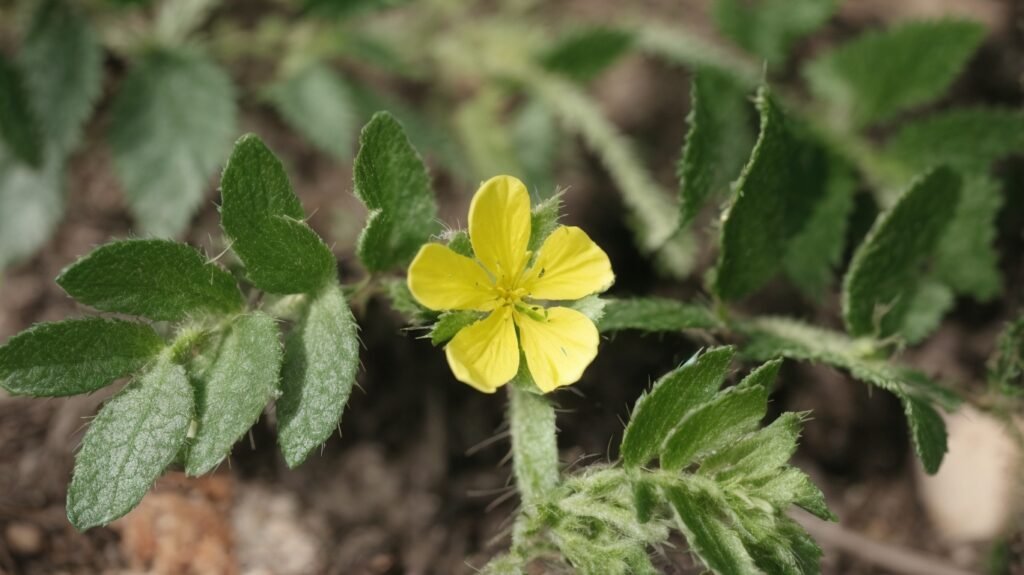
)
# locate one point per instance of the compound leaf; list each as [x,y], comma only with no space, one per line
[320,363]
[62,61]
[171,126]
[159,279]
[886,268]
[318,104]
[135,436]
[658,411]
[392,181]
[879,74]
[264,219]
[75,356]
[234,376]
[775,197]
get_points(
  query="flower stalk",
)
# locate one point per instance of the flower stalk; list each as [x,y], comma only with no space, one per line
[534,444]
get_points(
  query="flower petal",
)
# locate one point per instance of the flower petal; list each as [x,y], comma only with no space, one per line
[486,354]
[559,349]
[441,279]
[569,266]
[499,226]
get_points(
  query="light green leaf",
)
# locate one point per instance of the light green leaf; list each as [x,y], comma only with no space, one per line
[775,198]
[691,49]
[544,220]
[817,250]
[392,181]
[31,205]
[584,53]
[879,74]
[769,28]
[484,135]
[967,138]
[591,306]
[450,323]
[717,144]
[714,424]
[158,279]
[654,315]
[264,219]
[758,454]
[458,241]
[317,103]
[403,302]
[171,126]
[791,486]
[234,376]
[320,363]
[133,439]
[927,430]
[658,411]
[701,517]
[878,287]
[967,259]
[928,306]
[75,356]
[19,131]
[62,61]
[537,143]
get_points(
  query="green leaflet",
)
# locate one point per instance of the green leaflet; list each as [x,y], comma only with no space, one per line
[18,130]
[702,518]
[775,197]
[450,323]
[392,181]
[171,126]
[758,454]
[62,61]
[583,54]
[928,305]
[537,142]
[31,205]
[320,362]
[131,441]
[234,376]
[817,250]
[158,279]
[879,74]
[544,220]
[717,144]
[654,315]
[967,138]
[317,103]
[886,268]
[768,28]
[75,356]
[772,337]
[967,260]
[264,219]
[713,425]
[657,412]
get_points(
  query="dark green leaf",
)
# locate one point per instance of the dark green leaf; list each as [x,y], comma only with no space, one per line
[320,363]
[927,430]
[19,131]
[887,266]
[645,498]
[928,305]
[392,181]
[158,279]
[758,454]
[817,250]
[658,411]
[133,439]
[451,323]
[702,518]
[31,205]
[317,103]
[654,315]
[234,377]
[967,138]
[775,198]
[714,424]
[717,144]
[583,54]
[171,126]
[62,61]
[768,28]
[75,356]
[264,219]
[967,259]
[882,73]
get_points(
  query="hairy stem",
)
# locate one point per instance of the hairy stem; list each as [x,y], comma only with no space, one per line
[534,446]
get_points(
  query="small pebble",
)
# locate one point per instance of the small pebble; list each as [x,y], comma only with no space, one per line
[24,539]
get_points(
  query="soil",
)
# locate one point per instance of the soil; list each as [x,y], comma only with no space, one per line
[418,479]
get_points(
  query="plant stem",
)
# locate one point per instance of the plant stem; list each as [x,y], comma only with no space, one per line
[534,445]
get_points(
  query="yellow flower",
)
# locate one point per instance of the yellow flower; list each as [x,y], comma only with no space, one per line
[557,342]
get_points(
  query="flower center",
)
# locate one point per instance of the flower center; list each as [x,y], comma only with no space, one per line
[509,295]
